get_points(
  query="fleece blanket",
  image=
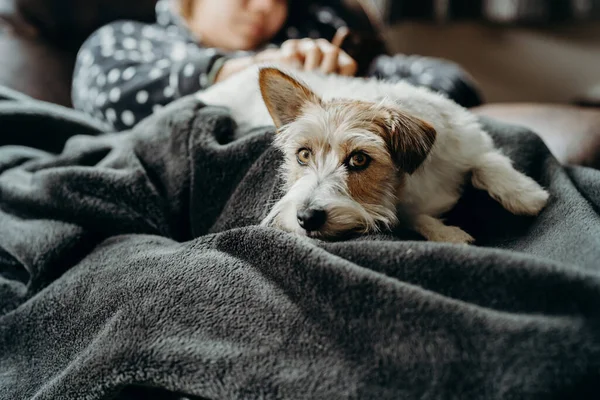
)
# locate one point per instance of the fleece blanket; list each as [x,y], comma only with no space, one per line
[132,267]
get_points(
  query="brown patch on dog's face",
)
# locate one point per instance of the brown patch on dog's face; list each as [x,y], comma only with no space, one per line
[380,178]
[409,139]
[367,185]
[371,185]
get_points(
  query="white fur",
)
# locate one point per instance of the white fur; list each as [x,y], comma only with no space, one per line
[461,147]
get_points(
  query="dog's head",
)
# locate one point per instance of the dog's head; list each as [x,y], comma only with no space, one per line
[345,160]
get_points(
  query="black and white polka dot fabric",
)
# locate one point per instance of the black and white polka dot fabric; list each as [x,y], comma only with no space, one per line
[127,70]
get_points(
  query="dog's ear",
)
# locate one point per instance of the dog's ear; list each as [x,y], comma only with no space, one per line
[283,95]
[410,140]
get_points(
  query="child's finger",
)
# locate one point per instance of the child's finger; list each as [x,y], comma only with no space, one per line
[329,63]
[340,35]
[346,64]
[312,54]
[290,48]
[290,54]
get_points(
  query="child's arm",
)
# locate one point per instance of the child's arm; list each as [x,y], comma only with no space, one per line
[127,69]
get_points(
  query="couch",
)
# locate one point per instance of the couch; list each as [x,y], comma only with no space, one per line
[39,41]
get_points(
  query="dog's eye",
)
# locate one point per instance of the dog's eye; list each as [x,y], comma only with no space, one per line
[303,156]
[358,161]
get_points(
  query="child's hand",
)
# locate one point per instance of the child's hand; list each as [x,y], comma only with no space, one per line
[319,54]
[278,56]
[275,55]
[306,54]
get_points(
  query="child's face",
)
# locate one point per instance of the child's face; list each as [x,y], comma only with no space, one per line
[238,24]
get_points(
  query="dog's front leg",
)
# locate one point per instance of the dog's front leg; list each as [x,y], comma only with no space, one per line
[435,230]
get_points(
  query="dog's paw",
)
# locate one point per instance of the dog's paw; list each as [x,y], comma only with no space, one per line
[529,202]
[517,192]
[434,230]
[451,234]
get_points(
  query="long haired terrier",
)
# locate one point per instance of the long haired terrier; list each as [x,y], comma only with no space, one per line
[362,155]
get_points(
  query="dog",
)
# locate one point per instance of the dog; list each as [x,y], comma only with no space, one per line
[363,155]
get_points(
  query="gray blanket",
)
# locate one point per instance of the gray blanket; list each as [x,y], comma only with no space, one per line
[132,267]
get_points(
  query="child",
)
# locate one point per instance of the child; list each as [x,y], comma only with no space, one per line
[127,70]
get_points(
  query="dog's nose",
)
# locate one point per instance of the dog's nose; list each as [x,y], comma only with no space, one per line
[311,219]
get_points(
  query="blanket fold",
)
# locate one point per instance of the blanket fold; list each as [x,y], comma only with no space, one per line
[132,266]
